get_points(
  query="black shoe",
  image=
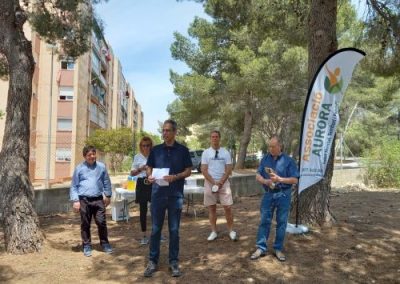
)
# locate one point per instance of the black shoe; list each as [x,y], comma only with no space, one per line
[175,271]
[150,269]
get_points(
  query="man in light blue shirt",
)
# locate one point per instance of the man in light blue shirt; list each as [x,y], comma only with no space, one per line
[91,193]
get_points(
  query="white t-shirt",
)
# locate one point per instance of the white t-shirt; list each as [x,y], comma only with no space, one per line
[216,163]
[139,161]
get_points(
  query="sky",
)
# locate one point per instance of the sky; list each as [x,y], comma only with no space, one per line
[141,33]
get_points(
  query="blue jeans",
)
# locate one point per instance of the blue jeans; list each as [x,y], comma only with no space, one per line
[159,205]
[279,201]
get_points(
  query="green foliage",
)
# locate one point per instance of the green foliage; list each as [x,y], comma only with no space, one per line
[117,143]
[382,36]
[383,164]
[250,56]
[1,114]
[378,103]
[126,164]
[68,23]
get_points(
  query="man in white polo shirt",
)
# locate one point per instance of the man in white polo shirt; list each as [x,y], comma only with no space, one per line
[216,166]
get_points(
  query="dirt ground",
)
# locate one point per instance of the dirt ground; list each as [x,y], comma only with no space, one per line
[363,247]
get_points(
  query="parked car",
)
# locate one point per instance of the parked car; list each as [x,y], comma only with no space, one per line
[195,155]
[251,161]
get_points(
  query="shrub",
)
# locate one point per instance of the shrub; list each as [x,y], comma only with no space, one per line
[383,164]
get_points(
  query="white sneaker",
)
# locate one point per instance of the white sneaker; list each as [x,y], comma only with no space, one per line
[212,236]
[233,236]
[144,241]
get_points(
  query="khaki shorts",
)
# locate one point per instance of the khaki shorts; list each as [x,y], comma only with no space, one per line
[224,194]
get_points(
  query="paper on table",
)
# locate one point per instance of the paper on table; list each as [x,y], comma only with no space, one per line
[158,174]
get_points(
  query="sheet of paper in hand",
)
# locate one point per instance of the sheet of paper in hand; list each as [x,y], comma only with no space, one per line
[158,174]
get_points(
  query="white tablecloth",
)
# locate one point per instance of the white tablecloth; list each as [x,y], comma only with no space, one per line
[124,193]
[127,196]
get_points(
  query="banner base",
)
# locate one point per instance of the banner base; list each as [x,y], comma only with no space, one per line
[300,229]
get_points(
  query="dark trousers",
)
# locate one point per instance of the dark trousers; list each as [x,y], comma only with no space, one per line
[143,196]
[143,215]
[93,207]
[159,206]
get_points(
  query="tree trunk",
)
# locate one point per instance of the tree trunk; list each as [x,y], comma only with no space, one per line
[245,140]
[18,217]
[314,202]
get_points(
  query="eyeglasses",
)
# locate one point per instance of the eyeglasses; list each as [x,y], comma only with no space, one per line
[145,145]
[216,154]
[167,130]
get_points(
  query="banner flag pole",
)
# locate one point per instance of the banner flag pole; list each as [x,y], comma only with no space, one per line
[321,115]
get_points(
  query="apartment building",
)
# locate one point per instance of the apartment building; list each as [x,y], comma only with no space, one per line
[71,99]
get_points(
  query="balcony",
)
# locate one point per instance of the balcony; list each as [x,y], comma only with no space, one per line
[103,81]
[104,63]
[95,44]
[99,93]
[99,80]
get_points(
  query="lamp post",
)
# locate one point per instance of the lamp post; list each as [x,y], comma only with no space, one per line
[52,47]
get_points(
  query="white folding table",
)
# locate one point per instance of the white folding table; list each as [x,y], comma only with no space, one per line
[190,189]
[127,196]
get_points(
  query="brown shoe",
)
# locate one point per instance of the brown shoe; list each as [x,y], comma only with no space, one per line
[280,256]
[257,254]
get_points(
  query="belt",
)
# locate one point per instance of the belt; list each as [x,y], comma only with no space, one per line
[89,199]
[269,190]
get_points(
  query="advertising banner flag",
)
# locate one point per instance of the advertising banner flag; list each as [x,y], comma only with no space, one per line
[321,113]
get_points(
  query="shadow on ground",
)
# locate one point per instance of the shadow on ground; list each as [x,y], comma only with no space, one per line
[361,248]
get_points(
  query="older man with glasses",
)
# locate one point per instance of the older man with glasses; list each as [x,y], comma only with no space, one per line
[176,158]
[216,166]
[277,173]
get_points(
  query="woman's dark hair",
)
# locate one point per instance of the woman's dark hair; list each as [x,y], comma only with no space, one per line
[87,149]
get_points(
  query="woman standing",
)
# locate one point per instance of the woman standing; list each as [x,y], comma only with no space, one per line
[143,187]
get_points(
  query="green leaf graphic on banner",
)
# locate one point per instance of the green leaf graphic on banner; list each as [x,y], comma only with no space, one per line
[333,89]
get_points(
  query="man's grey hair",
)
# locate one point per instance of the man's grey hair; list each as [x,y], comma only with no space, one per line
[278,139]
[172,122]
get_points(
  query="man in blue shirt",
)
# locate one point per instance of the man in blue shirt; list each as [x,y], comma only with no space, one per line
[277,173]
[91,193]
[176,158]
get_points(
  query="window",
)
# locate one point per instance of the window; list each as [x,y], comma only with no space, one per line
[64,124]
[67,64]
[63,155]
[93,112]
[66,94]
[102,119]
[95,63]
